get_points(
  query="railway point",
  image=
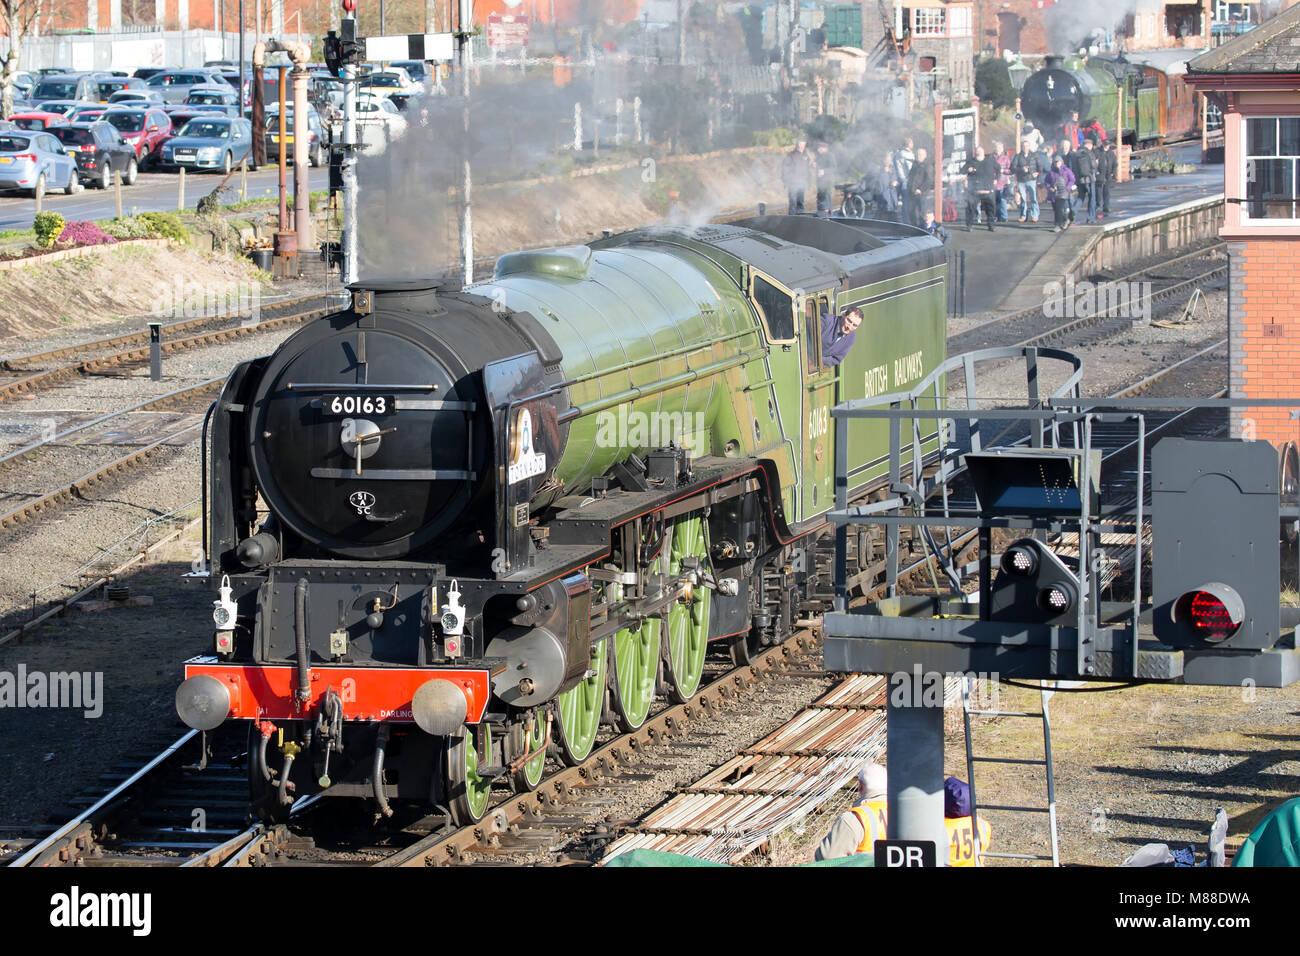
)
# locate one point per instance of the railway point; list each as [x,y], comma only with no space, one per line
[495,474]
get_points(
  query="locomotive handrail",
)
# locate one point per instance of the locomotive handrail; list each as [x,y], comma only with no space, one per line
[663,385]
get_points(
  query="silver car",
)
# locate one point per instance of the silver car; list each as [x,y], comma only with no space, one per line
[175,85]
[37,162]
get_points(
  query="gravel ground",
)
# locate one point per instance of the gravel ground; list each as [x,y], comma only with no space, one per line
[56,753]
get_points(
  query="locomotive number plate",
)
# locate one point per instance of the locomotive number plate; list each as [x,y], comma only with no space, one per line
[358,404]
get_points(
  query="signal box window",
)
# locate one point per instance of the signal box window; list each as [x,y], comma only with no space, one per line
[1272,151]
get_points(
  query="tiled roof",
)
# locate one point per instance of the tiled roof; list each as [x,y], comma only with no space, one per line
[1272,47]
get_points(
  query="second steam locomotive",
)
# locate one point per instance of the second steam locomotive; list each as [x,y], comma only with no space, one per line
[457,531]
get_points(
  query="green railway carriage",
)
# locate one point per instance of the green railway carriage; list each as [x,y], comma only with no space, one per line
[504,515]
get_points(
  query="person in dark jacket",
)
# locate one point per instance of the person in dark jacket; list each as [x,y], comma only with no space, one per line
[920,187]
[981,183]
[1059,182]
[1083,164]
[796,174]
[1026,169]
[838,333]
[1109,168]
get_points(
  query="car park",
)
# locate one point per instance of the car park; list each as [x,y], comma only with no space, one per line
[143,129]
[210,142]
[62,107]
[36,161]
[389,81]
[99,151]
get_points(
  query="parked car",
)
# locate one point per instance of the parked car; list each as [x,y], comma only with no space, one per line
[36,161]
[379,110]
[23,83]
[62,107]
[218,96]
[38,120]
[116,84]
[389,81]
[84,114]
[145,72]
[136,98]
[99,151]
[317,146]
[175,85]
[417,70]
[144,129]
[210,142]
[69,86]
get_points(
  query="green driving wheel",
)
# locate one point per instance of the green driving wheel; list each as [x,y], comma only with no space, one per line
[469,791]
[579,710]
[526,736]
[688,619]
[636,666]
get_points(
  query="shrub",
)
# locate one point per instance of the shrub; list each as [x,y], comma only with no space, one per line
[166,225]
[993,83]
[129,227]
[84,234]
[48,226]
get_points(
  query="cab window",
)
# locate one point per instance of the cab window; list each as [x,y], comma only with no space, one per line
[777,309]
[813,335]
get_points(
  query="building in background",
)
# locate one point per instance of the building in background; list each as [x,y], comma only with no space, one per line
[1255,80]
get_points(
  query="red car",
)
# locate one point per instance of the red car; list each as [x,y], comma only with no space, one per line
[143,129]
[36,120]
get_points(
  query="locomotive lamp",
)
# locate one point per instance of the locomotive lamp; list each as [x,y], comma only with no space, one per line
[453,622]
[224,612]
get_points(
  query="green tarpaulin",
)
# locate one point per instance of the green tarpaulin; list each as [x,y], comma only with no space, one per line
[1276,841]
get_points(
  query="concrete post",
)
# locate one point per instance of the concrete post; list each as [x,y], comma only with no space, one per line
[914,742]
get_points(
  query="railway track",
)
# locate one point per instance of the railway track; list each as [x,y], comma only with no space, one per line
[1025,326]
[104,355]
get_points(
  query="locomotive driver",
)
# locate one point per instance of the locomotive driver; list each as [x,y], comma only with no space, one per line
[838,333]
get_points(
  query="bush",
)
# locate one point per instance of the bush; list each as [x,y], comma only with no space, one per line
[780,136]
[84,234]
[166,225]
[48,226]
[993,82]
[129,227]
[829,129]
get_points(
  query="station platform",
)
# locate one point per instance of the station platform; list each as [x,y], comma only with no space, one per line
[1007,269]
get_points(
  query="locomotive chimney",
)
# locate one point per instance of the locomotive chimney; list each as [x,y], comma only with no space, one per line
[1054,62]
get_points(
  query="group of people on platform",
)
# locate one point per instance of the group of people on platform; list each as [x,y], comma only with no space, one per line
[1078,169]
[857,829]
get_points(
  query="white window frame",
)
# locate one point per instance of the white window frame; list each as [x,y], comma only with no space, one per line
[1246,217]
[959,24]
[935,25]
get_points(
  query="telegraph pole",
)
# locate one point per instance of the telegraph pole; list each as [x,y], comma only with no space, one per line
[465,62]
[349,33]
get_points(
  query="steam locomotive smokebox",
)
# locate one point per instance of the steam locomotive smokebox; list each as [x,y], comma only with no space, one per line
[1215,522]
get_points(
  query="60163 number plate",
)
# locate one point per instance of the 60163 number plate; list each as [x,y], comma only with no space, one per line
[358,404]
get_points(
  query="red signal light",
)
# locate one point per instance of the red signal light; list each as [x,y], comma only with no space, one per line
[1209,614]
[349,6]
[1210,617]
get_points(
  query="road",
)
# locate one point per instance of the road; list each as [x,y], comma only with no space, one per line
[152,192]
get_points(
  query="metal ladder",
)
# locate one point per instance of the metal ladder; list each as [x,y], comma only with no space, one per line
[1045,692]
